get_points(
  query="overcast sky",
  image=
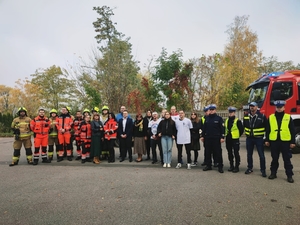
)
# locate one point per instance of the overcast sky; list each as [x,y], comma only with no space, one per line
[41,33]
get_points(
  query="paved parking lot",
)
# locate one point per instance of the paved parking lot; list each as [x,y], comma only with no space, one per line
[142,193]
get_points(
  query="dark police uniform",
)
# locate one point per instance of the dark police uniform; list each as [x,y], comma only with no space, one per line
[280,134]
[212,132]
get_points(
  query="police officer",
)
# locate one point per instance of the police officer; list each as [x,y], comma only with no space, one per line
[255,126]
[280,135]
[233,130]
[21,128]
[213,135]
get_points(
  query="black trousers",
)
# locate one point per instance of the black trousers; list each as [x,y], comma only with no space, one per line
[188,152]
[110,146]
[233,150]
[284,148]
[126,146]
[154,144]
[148,145]
[213,145]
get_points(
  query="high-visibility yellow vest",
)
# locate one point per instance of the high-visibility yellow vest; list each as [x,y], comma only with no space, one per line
[285,134]
[235,133]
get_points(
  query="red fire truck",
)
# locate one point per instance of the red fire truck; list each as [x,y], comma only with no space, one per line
[279,86]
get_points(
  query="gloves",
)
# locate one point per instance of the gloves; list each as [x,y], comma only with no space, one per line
[50,130]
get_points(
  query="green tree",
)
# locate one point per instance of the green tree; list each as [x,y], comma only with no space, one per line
[113,73]
[271,64]
[4,98]
[55,88]
[172,78]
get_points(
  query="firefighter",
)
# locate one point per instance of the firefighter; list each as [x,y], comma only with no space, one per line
[64,127]
[52,139]
[40,126]
[21,128]
[86,112]
[255,126]
[233,130]
[281,141]
[85,138]
[76,123]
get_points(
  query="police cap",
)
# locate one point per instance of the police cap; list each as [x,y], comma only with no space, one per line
[231,109]
[279,103]
[253,104]
[212,106]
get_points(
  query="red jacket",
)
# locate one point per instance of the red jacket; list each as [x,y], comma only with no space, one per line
[85,131]
[40,125]
[65,121]
[110,129]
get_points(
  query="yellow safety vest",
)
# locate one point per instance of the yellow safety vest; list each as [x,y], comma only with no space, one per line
[285,134]
[53,123]
[235,133]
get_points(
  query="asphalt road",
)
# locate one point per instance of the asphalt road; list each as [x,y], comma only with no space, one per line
[142,193]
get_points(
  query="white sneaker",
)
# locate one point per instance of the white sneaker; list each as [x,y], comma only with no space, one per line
[165,165]
[178,165]
[189,166]
[168,165]
[194,164]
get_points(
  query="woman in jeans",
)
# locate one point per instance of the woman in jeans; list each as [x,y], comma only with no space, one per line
[167,131]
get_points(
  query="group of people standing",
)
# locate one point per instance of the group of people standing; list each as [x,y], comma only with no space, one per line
[95,136]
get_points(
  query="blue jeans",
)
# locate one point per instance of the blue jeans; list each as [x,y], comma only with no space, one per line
[259,143]
[167,144]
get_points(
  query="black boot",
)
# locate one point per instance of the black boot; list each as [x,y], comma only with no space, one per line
[50,158]
[45,160]
[14,163]
[236,169]
[83,160]
[59,159]
[231,167]
[69,158]
[35,162]
[78,157]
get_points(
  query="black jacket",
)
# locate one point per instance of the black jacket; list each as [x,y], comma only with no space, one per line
[213,127]
[167,127]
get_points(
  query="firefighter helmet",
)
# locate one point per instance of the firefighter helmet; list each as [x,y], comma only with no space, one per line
[95,109]
[22,109]
[53,111]
[105,107]
[86,110]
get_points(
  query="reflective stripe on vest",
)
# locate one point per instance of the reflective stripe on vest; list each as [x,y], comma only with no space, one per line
[256,131]
[285,134]
[235,133]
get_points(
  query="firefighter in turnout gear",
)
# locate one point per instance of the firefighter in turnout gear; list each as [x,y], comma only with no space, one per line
[280,135]
[40,126]
[76,123]
[86,138]
[52,138]
[233,130]
[64,127]
[21,128]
